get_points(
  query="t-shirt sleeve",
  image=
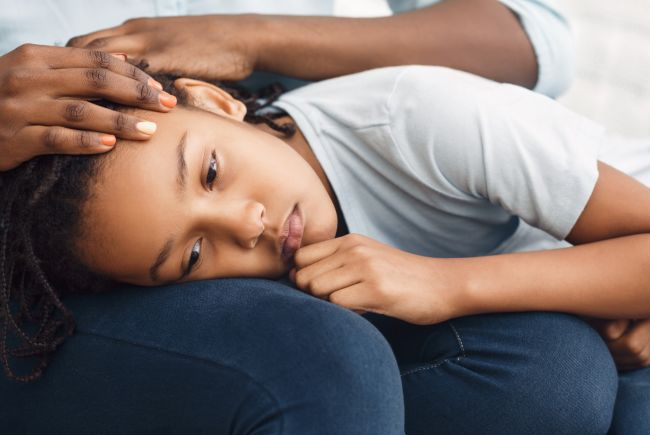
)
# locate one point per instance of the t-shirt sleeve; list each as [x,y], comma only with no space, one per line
[481,140]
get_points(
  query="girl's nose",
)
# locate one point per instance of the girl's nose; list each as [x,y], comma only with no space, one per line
[241,220]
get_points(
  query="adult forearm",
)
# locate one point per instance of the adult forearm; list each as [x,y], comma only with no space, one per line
[608,279]
[478,36]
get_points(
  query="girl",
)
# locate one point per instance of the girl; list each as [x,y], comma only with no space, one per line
[432,172]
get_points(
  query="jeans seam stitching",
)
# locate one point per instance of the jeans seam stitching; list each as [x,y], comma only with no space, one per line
[431,366]
[460,340]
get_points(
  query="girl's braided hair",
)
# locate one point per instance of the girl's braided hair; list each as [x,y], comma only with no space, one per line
[40,221]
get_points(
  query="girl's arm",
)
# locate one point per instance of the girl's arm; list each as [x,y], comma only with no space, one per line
[607,275]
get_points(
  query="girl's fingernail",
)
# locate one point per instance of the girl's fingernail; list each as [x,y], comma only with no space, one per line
[155,84]
[167,100]
[108,140]
[120,56]
[146,127]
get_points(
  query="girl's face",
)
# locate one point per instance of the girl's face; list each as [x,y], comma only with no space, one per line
[206,197]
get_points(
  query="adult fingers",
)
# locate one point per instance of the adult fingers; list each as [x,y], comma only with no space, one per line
[83,115]
[98,82]
[39,139]
[83,40]
[130,44]
[63,57]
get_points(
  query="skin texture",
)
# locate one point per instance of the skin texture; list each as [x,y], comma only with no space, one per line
[137,206]
[44,108]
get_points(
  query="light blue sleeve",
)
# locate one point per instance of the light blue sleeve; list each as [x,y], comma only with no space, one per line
[519,150]
[548,31]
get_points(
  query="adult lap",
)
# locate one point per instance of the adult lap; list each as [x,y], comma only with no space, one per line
[504,373]
[225,356]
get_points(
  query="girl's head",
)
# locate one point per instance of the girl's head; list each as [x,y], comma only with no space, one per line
[206,197]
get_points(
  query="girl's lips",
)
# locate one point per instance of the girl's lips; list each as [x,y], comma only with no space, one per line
[291,235]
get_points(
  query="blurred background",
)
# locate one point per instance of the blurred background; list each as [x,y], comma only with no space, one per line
[612,41]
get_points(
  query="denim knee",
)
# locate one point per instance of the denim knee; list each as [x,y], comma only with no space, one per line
[246,355]
[561,376]
[330,369]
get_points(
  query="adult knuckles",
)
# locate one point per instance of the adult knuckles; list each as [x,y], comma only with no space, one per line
[97,77]
[144,93]
[100,59]
[29,51]
[137,23]
[9,108]
[75,111]
[17,79]
[53,138]
[120,122]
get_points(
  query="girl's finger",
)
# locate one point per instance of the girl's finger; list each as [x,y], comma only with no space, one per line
[333,280]
[304,275]
[315,252]
[358,296]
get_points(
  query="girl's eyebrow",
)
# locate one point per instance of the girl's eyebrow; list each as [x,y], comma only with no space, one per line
[181,181]
[181,177]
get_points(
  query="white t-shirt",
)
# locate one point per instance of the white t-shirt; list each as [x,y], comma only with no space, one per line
[447,164]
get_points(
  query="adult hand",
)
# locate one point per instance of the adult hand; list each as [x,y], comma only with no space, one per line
[627,340]
[208,46]
[43,107]
[362,274]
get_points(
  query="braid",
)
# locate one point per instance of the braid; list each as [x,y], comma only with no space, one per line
[34,320]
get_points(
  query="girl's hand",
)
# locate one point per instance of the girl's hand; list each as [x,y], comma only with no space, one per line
[226,48]
[363,274]
[627,340]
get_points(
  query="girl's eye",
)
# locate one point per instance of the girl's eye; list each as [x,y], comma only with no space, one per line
[212,170]
[194,255]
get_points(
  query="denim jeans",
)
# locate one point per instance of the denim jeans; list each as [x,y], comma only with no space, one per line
[247,356]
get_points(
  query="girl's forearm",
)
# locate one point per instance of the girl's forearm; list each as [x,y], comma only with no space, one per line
[606,279]
[478,36]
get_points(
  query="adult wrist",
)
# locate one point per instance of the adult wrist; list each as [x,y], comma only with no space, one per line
[266,33]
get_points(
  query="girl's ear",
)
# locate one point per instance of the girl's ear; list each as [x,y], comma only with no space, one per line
[209,97]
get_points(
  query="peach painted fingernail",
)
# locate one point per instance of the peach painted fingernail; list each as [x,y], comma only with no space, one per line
[154,84]
[108,140]
[120,56]
[167,100]
[146,127]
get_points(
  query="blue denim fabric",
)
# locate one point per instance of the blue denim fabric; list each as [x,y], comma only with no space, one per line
[258,357]
[221,357]
[506,373]
[632,411]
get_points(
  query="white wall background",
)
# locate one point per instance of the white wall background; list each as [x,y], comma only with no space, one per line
[612,84]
